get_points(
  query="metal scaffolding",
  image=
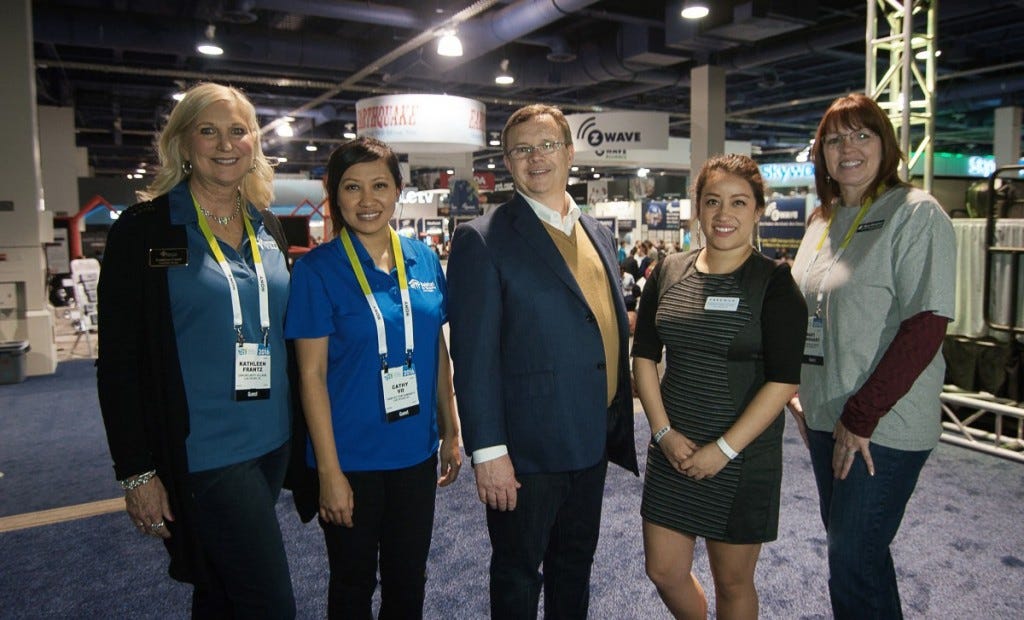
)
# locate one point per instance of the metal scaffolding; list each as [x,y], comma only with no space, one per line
[893,75]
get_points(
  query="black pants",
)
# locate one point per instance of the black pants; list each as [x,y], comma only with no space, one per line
[393,519]
[237,524]
[556,521]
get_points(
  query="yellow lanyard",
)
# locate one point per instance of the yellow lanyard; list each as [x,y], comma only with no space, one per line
[403,287]
[222,262]
[835,259]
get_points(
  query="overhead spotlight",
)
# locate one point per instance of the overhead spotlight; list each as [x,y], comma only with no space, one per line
[504,78]
[285,130]
[140,171]
[490,165]
[178,96]
[642,172]
[311,147]
[575,169]
[450,171]
[282,160]
[597,175]
[495,139]
[695,9]
[208,46]
[449,44]
[349,134]
[923,54]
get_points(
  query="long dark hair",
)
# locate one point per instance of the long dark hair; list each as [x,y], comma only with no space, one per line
[855,111]
[359,151]
[739,165]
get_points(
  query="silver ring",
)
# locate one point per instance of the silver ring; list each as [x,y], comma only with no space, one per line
[156,526]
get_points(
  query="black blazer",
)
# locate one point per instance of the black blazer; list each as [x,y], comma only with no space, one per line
[141,391]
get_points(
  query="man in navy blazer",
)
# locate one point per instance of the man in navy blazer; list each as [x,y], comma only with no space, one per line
[539,345]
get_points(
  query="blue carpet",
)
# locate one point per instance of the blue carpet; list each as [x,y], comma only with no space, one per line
[960,552]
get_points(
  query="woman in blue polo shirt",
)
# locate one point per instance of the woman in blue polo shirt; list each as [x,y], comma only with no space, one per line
[366,311]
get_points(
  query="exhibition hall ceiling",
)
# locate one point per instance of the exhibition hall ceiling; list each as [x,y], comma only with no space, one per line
[117,63]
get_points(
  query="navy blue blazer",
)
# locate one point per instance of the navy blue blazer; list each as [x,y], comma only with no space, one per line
[529,366]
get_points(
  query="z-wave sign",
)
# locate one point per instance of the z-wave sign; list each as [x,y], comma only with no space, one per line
[619,131]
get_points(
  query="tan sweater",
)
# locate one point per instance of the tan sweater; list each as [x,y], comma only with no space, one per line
[585,264]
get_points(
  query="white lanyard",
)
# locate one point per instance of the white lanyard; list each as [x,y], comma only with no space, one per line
[261,275]
[835,259]
[403,287]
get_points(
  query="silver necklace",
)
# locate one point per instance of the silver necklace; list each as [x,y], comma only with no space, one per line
[224,220]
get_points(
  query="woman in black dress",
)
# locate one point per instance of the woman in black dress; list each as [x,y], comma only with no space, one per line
[732,322]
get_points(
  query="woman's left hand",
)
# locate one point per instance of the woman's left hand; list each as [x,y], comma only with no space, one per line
[704,463]
[451,461]
[846,448]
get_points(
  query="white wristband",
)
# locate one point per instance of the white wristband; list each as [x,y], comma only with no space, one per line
[664,431]
[726,448]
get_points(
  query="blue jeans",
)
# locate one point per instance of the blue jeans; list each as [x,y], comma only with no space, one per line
[862,515]
[556,522]
[236,522]
[392,523]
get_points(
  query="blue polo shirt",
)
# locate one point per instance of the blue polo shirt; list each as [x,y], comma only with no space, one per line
[326,300]
[223,431]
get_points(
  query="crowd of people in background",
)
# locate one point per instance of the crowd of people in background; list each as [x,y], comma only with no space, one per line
[225,375]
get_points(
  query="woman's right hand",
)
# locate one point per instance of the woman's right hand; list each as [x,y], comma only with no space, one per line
[149,508]
[798,415]
[677,447]
[336,499]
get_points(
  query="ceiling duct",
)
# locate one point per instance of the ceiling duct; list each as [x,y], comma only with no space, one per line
[758,20]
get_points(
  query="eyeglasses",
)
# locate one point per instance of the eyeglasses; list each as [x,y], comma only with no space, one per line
[855,138]
[544,148]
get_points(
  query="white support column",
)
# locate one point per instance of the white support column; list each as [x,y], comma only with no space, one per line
[24,225]
[1006,141]
[707,115]
[707,122]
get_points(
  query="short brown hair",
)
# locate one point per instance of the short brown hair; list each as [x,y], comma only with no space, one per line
[855,111]
[532,111]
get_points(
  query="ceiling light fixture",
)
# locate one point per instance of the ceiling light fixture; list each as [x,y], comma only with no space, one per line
[285,130]
[209,47]
[495,139]
[349,134]
[312,148]
[490,165]
[695,9]
[178,96]
[504,78]
[449,44]
[923,54]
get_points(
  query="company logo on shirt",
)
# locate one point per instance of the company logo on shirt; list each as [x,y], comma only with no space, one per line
[866,226]
[266,244]
[425,287]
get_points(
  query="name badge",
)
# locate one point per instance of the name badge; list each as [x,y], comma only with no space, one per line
[168,257]
[252,371]
[401,398]
[814,350]
[722,304]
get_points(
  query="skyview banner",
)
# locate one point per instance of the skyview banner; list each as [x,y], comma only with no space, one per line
[605,131]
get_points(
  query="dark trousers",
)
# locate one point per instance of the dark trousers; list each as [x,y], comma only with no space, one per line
[556,521]
[237,525]
[393,519]
[862,515]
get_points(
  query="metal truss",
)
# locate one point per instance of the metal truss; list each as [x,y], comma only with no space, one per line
[896,48]
[957,423]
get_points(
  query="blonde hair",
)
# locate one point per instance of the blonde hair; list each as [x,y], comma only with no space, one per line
[257,186]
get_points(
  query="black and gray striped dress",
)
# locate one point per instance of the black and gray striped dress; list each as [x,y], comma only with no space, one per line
[740,504]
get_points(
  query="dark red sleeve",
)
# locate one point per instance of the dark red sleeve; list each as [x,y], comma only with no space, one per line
[916,343]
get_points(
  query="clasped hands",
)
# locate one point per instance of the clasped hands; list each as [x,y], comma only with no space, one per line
[690,460]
